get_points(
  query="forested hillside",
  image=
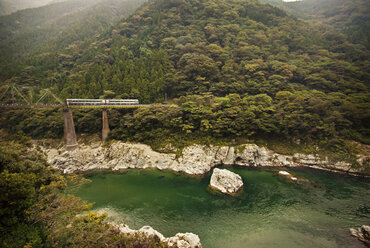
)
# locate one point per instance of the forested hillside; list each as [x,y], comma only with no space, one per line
[349,17]
[34,41]
[235,69]
[291,78]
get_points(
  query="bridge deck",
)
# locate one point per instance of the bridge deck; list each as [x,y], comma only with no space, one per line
[17,106]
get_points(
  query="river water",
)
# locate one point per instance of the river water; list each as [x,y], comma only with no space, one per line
[269,212]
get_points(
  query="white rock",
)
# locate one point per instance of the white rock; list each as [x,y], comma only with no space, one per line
[230,156]
[221,156]
[197,159]
[362,233]
[284,173]
[225,181]
[287,175]
[125,229]
[184,240]
[149,231]
[180,240]
[282,160]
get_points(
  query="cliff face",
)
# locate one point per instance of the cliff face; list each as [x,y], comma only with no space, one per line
[195,159]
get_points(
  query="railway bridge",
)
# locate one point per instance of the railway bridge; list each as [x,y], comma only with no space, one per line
[70,138]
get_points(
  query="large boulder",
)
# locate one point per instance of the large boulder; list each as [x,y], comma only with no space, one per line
[226,181]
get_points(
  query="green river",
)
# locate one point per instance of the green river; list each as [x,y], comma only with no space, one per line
[269,212]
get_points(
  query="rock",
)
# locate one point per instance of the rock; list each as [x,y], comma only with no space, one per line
[184,240]
[296,179]
[366,231]
[307,159]
[282,160]
[284,173]
[225,181]
[149,231]
[180,240]
[362,233]
[124,229]
[195,159]
[354,232]
[230,156]
[289,176]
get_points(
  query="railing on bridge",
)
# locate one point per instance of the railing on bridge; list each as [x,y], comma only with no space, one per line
[13,96]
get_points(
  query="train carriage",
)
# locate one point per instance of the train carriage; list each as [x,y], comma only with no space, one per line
[101,102]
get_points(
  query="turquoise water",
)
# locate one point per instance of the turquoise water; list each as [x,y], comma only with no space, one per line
[269,212]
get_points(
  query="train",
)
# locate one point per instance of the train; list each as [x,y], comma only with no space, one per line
[101,102]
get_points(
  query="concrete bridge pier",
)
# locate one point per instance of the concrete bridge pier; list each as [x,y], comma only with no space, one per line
[105,129]
[70,139]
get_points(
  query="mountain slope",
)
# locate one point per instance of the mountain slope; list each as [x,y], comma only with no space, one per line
[350,17]
[235,47]
[9,6]
[289,77]
[42,32]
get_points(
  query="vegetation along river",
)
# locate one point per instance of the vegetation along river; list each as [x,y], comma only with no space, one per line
[269,212]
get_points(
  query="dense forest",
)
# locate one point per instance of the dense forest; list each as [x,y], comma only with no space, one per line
[35,43]
[349,17]
[236,68]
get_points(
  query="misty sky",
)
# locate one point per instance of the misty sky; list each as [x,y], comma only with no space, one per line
[9,6]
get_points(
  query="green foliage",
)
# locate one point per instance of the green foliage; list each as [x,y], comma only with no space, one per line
[312,116]
[21,173]
[21,235]
[351,18]
[38,47]
[36,211]
[17,195]
[190,47]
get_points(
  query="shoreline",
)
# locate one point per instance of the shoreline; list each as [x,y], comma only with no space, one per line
[196,160]
[124,171]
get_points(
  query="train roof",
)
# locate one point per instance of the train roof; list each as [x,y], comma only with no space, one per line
[75,99]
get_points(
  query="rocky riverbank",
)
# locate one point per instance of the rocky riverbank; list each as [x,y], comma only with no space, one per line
[180,240]
[195,159]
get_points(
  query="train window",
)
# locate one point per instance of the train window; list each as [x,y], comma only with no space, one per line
[101,101]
